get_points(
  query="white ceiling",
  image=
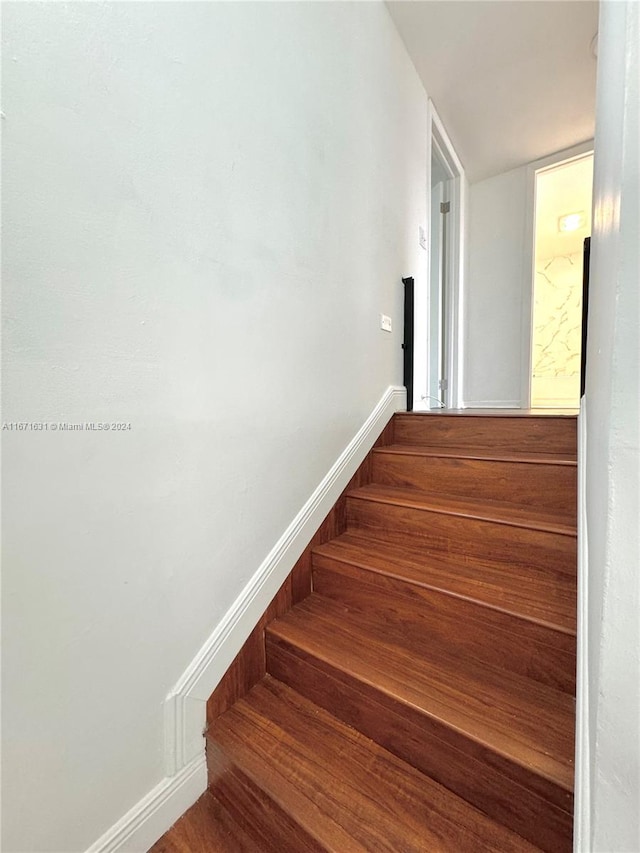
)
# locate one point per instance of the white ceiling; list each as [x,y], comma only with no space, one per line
[512,80]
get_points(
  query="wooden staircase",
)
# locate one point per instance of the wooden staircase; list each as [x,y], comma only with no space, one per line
[421,698]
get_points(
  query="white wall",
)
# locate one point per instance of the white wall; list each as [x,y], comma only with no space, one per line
[206,206]
[494,290]
[611,578]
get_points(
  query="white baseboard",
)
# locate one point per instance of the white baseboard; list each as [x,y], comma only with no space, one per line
[185,706]
[491,404]
[582,784]
[154,814]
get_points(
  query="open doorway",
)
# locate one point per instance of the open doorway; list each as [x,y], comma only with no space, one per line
[437,357]
[562,222]
[439,277]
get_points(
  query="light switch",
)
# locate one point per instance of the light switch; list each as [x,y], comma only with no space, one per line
[385,323]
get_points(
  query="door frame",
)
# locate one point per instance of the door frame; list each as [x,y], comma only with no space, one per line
[438,140]
[437,362]
[576,152]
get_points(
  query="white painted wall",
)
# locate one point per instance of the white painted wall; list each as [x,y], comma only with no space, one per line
[609,820]
[206,206]
[494,290]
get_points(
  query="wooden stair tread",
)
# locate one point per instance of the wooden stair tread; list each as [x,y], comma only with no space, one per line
[421,696]
[207,827]
[349,793]
[527,723]
[500,512]
[482,453]
[548,598]
[526,414]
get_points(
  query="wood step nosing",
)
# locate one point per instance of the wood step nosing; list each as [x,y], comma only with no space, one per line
[353,561]
[562,460]
[439,719]
[226,742]
[481,412]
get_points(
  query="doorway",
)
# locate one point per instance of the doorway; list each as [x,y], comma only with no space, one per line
[562,219]
[439,279]
[437,356]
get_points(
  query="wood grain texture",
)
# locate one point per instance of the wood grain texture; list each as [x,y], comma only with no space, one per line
[528,722]
[496,454]
[207,827]
[474,779]
[271,825]
[515,432]
[470,506]
[506,750]
[523,590]
[347,792]
[417,618]
[462,535]
[539,484]
[420,658]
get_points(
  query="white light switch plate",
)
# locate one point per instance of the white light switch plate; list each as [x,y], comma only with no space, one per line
[385,323]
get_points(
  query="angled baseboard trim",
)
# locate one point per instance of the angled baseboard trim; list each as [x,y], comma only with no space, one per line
[150,818]
[185,706]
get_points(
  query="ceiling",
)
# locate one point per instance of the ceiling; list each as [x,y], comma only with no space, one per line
[512,80]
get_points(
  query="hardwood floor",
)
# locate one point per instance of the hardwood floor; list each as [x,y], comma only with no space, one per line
[411,687]
[206,828]
[520,480]
[347,792]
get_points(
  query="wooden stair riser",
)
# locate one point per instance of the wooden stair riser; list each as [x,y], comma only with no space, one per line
[542,596]
[530,725]
[468,537]
[528,484]
[419,617]
[520,434]
[529,805]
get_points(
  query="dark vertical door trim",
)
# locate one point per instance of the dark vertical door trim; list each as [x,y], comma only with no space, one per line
[585,313]
[407,346]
